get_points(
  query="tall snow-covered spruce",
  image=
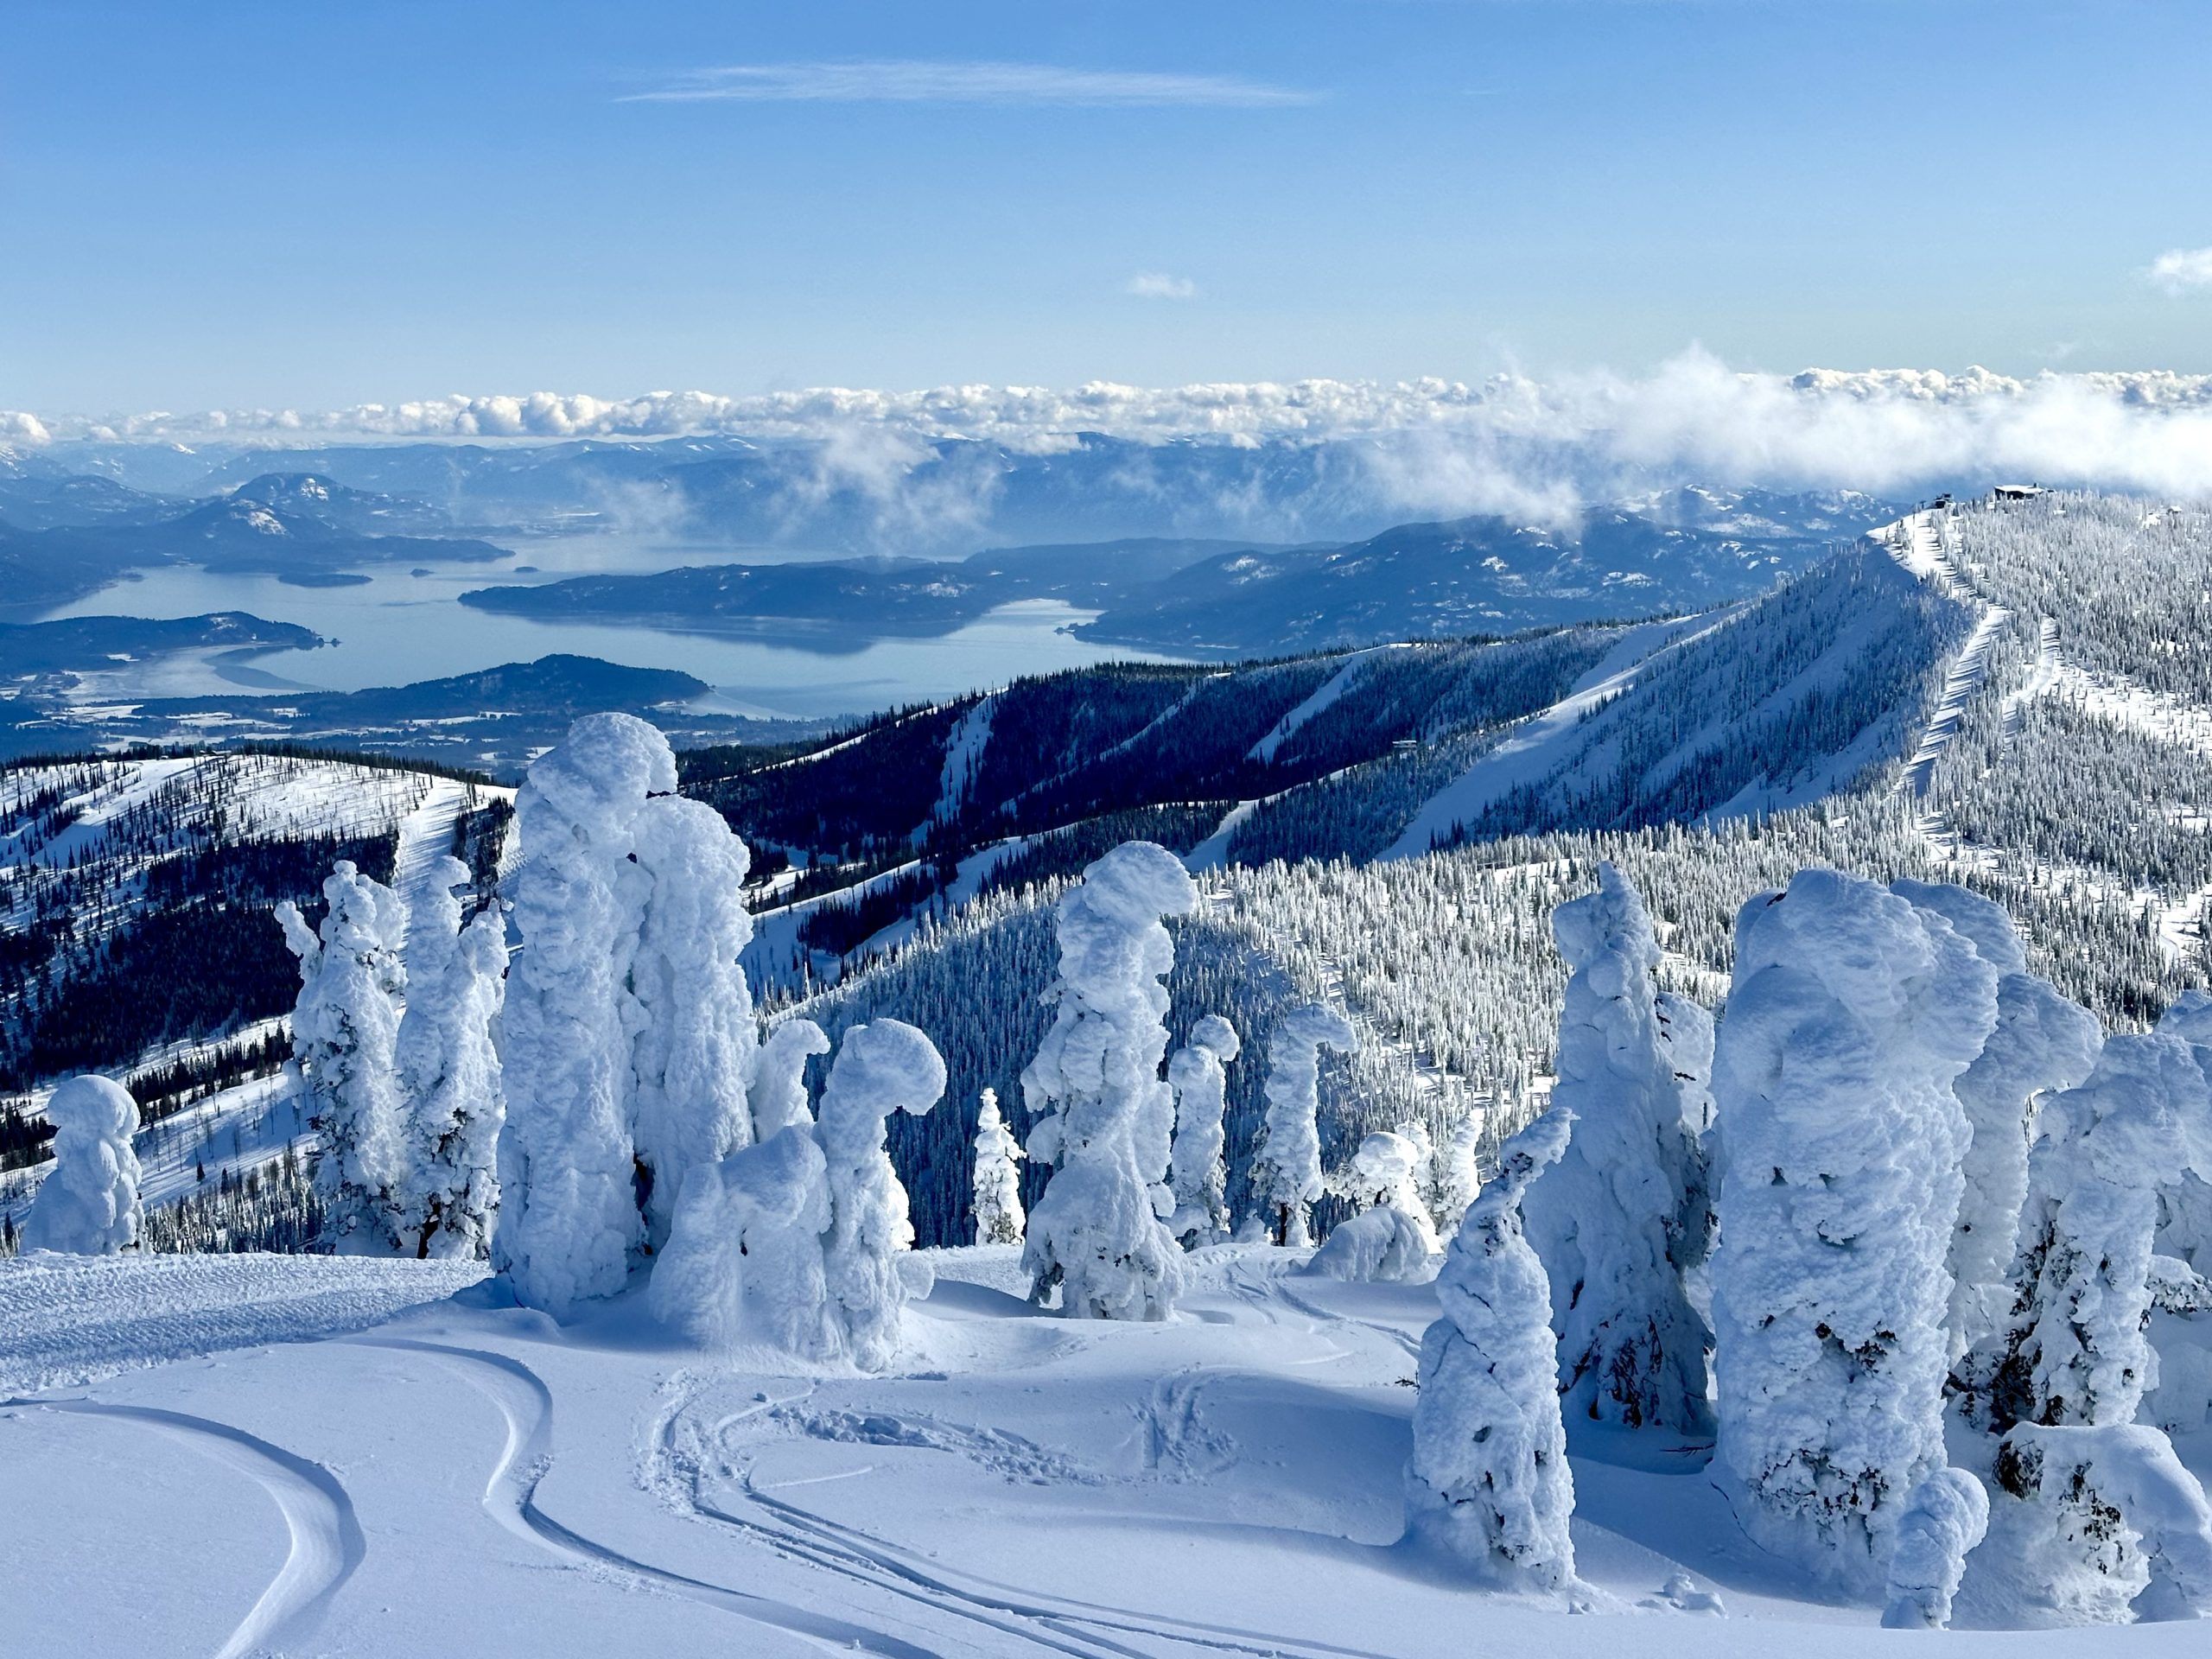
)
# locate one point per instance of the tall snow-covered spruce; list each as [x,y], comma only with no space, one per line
[450,1066]
[88,1202]
[997,1178]
[1094,1089]
[1851,1016]
[1199,1177]
[1620,1219]
[628,1028]
[1487,1487]
[1286,1163]
[345,1035]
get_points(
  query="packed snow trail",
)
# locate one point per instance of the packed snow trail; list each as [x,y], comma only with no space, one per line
[1916,542]
[426,833]
[325,1543]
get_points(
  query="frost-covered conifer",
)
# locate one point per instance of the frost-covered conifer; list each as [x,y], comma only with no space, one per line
[2042,1042]
[2075,1351]
[449,1067]
[1199,1176]
[2185,1201]
[744,1253]
[883,1067]
[1944,1518]
[1616,1221]
[1454,1177]
[1391,1238]
[88,1202]
[997,1177]
[345,1035]
[778,1096]
[568,1211]
[1851,1016]
[2119,1529]
[693,1051]
[1096,1233]
[1286,1163]
[1488,1485]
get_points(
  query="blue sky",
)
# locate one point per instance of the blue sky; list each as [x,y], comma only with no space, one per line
[310,205]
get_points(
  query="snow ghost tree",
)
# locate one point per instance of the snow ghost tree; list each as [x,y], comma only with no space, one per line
[1199,1177]
[88,1202]
[1944,1518]
[778,1095]
[345,1036]
[1390,1238]
[2075,1351]
[1096,1087]
[744,1253]
[997,1177]
[1620,1220]
[2120,1530]
[2185,1202]
[449,1067]
[1851,1016]
[883,1067]
[569,1216]
[2042,1042]
[692,1055]
[1488,1486]
[1286,1163]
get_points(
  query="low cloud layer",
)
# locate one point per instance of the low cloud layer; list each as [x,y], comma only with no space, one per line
[935,81]
[1446,443]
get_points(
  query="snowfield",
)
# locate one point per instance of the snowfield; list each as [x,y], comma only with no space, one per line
[323,1456]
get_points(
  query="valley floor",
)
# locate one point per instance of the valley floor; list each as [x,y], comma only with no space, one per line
[325,1457]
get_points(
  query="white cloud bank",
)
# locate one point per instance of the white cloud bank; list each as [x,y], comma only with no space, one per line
[1159,285]
[932,81]
[1883,430]
[2182,270]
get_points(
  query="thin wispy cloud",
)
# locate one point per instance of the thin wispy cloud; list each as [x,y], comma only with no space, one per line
[2182,270]
[1159,285]
[929,81]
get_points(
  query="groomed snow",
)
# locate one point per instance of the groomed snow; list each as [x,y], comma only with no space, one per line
[466,1477]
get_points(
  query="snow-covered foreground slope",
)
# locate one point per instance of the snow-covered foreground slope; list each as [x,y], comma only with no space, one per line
[467,1478]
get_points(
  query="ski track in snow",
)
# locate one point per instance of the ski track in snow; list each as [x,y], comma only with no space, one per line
[325,1540]
[510,1498]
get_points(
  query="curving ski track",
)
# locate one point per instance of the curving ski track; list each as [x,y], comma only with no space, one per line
[325,1536]
[510,1498]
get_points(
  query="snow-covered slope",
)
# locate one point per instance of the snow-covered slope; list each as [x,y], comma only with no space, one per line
[468,1478]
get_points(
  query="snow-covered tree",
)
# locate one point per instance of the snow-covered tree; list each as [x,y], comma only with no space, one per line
[449,1067]
[998,1176]
[1286,1163]
[568,1211]
[1617,1221]
[2075,1351]
[1391,1238]
[692,1054]
[884,1067]
[1488,1486]
[2119,1529]
[778,1096]
[345,1035]
[1944,1518]
[2185,1200]
[2042,1042]
[1096,1088]
[1199,1177]
[1454,1177]
[1850,1018]
[744,1256]
[88,1202]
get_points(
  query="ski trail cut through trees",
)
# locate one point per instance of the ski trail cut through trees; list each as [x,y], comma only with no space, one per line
[510,1498]
[325,1536]
[1917,542]
[1330,689]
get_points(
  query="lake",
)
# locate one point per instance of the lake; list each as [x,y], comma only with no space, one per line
[399,627]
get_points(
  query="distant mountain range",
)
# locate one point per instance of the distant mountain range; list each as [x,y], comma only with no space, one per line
[1687,550]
